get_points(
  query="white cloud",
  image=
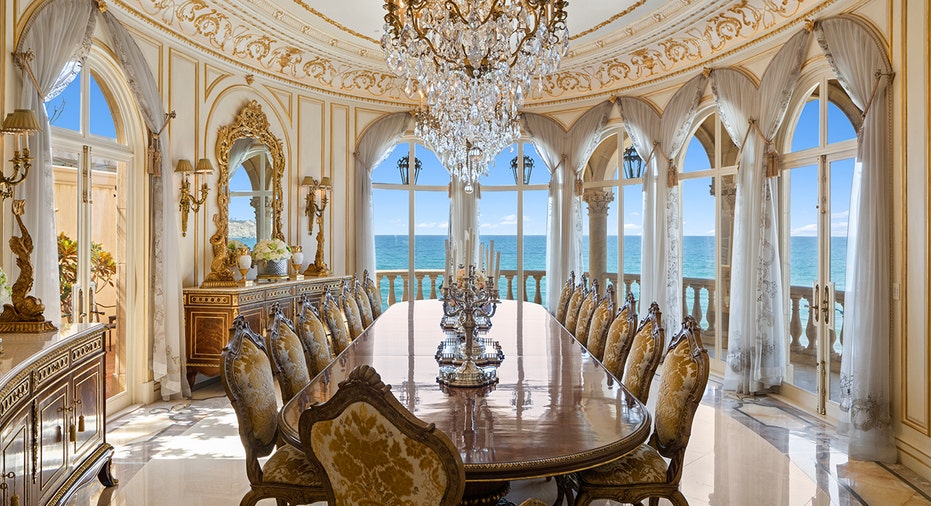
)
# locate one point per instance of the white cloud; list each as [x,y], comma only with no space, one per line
[806,230]
[839,228]
[432,225]
[840,216]
[631,227]
[510,219]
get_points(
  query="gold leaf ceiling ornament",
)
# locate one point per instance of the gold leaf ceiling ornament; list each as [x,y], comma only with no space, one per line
[264,37]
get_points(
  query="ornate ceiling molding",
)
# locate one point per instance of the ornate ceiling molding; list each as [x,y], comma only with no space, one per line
[277,43]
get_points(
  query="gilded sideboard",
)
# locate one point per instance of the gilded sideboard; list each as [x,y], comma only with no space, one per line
[209,313]
[53,414]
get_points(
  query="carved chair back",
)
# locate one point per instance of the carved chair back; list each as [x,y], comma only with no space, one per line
[585,314]
[335,322]
[645,353]
[287,354]
[601,319]
[374,295]
[564,296]
[620,336]
[374,451]
[318,353]
[575,303]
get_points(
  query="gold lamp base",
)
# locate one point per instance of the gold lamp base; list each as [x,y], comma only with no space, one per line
[25,314]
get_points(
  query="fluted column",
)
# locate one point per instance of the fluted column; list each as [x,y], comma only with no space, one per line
[598,202]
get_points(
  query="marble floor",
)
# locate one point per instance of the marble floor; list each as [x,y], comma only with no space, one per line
[743,451]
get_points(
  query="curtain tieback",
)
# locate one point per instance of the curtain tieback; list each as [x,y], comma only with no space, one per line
[771,158]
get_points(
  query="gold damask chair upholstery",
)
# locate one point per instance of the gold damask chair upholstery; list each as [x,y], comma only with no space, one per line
[318,353]
[335,322]
[645,353]
[287,354]
[374,295]
[585,314]
[246,374]
[374,452]
[575,303]
[351,311]
[601,319]
[620,337]
[564,296]
[362,300]
[644,472]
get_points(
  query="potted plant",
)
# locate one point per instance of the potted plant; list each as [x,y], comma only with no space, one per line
[271,256]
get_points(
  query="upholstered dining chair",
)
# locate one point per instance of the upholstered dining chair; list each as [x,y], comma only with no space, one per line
[374,295]
[644,472]
[575,303]
[564,297]
[317,349]
[585,314]
[645,353]
[335,322]
[287,354]
[373,451]
[601,319]
[362,300]
[351,311]
[246,374]
[620,336]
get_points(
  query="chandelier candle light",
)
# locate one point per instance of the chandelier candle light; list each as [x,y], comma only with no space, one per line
[472,63]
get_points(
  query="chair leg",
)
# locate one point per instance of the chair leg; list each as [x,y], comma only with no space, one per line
[250,499]
[678,499]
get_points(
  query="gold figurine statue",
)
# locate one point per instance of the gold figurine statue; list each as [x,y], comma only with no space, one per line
[25,314]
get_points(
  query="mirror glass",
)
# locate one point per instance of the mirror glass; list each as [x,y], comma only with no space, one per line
[250,209]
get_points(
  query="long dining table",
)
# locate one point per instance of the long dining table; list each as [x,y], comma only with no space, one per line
[554,410]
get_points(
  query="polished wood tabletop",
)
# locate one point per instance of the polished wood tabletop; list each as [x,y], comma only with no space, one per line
[554,410]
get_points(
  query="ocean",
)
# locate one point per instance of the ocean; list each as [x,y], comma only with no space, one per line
[391,253]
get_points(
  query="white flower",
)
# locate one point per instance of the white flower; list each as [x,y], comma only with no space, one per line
[271,249]
[6,293]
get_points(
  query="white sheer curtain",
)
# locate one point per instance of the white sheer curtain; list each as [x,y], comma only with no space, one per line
[564,154]
[659,138]
[757,349]
[166,280]
[374,146]
[464,219]
[60,36]
[862,68]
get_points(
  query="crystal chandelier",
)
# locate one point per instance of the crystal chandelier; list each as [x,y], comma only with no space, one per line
[472,63]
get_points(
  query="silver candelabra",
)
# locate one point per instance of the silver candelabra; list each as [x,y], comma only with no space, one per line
[467,302]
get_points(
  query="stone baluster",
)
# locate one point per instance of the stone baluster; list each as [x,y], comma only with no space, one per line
[711,308]
[405,286]
[511,286]
[537,298]
[795,324]
[810,332]
[418,285]
[696,304]
[432,280]
[392,298]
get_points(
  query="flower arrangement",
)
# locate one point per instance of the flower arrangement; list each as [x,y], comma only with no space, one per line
[6,293]
[270,250]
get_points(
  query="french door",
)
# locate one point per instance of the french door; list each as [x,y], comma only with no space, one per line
[817,204]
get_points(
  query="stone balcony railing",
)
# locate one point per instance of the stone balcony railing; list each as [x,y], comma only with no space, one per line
[698,300]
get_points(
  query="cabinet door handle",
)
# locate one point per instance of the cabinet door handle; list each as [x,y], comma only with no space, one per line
[72,433]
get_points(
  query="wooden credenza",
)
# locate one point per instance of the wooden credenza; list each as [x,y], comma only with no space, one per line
[53,414]
[209,313]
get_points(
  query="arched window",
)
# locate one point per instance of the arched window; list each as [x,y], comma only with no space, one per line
[512,213]
[92,153]
[819,142]
[613,198]
[411,222]
[707,185]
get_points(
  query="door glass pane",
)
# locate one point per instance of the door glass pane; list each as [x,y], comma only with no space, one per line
[633,230]
[806,130]
[431,226]
[803,271]
[698,252]
[498,223]
[433,172]
[499,170]
[390,223]
[387,170]
[534,252]
[700,152]
[841,110]
[613,245]
[64,111]
[101,116]
[841,180]
[727,195]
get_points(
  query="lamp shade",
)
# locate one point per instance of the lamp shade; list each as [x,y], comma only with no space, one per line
[325,183]
[184,166]
[21,121]
[204,166]
[308,181]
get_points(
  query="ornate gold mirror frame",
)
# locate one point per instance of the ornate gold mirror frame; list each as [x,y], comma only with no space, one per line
[251,123]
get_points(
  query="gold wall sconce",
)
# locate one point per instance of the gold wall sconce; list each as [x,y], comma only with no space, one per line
[190,202]
[314,211]
[20,123]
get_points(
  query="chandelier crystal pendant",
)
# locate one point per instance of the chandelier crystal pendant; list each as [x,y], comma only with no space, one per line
[472,62]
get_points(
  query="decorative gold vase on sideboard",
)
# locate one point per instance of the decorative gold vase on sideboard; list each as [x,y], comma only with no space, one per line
[209,314]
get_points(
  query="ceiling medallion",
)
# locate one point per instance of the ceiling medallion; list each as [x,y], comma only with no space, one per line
[472,63]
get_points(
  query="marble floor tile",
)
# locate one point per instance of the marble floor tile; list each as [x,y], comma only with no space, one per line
[742,451]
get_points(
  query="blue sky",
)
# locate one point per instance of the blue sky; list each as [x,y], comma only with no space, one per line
[499,209]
